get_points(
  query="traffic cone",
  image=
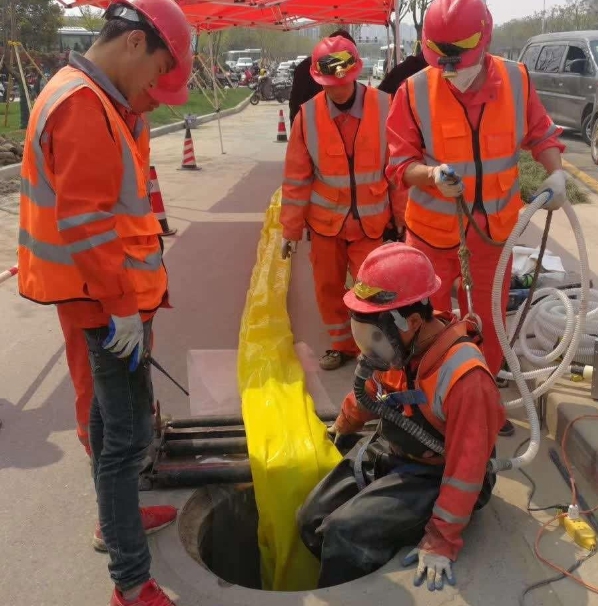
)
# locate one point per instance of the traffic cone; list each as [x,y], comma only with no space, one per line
[158,204]
[281,137]
[189,162]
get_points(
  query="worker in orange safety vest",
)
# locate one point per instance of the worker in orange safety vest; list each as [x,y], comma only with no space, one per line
[334,183]
[418,479]
[457,129]
[89,242]
[171,89]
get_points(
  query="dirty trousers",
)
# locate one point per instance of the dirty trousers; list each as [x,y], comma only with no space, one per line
[77,359]
[483,262]
[331,257]
[120,432]
[354,533]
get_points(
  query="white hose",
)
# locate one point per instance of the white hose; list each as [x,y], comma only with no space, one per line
[556,320]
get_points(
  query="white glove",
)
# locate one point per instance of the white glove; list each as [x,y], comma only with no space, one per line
[288,248]
[125,338]
[432,566]
[557,184]
[448,183]
[333,434]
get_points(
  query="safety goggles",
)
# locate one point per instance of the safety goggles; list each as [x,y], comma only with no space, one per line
[336,64]
[373,294]
[454,49]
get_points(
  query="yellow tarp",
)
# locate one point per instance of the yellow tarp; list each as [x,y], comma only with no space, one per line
[288,448]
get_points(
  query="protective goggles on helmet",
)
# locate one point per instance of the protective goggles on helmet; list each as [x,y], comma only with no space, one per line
[373,294]
[454,49]
[336,64]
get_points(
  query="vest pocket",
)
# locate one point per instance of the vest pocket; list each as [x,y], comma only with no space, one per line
[498,144]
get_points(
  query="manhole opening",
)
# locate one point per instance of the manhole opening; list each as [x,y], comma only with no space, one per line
[227,537]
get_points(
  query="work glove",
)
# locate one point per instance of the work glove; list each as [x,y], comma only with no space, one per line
[125,338]
[333,433]
[432,566]
[447,181]
[557,184]
[288,248]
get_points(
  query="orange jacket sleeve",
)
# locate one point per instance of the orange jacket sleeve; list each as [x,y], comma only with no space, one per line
[297,184]
[472,425]
[85,159]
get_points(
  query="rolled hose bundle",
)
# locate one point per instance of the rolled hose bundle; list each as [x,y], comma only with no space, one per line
[363,372]
[544,312]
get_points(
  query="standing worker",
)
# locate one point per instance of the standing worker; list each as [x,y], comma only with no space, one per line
[334,182]
[89,242]
[419,478]
[172,90]
[304,86]
[472,113]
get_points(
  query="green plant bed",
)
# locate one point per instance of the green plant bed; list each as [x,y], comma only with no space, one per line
[532,174]
[198,105]
[11,130]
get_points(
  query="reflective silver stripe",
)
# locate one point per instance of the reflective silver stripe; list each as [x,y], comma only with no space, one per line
[446,372]
[319,200]
[424,111]
[443,514]
[339,338]
[311,132]
[467,169]
[493,207]
[518,86]
[297,182]
[461,485]
[371,210]
[384,105]
[549,133]
[93,242]
[335,181]
[368,178]
[151,263]
[42,194]
[129,202]
[289,202]
[437,205]
[47,252]
[346,324]
[397,160]
[83,219]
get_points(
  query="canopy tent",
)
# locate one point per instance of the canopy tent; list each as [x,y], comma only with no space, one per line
[213,15]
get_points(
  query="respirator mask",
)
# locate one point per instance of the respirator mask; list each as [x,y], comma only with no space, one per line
[379,341]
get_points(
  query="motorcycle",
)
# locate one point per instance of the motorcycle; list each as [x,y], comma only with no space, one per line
[282,89]
[264,90]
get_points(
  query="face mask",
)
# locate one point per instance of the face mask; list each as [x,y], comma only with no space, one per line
[465,77]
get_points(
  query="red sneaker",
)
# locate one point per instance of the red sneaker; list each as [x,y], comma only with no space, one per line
[151,595]
[153,518]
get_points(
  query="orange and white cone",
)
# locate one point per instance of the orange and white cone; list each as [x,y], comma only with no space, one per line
[281,137]
[189,162]
[158,204]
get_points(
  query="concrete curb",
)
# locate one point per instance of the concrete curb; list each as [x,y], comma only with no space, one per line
[14,170]
[582,176]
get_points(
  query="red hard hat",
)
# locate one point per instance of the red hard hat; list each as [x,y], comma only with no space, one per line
[171,88]
[167,19]
[392,276]
[456,29]
[335,61]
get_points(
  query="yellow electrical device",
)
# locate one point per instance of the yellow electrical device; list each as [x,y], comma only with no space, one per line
[289,450]
[579,530]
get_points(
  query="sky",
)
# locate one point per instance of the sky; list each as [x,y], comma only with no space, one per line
[502,10]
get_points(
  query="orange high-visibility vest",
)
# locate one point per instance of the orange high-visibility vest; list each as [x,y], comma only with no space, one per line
[342,185]
[47,273]
[143,144]
[485,158]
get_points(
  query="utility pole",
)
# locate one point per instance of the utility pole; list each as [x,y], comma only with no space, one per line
[544,16]
[10,49]
[398,30]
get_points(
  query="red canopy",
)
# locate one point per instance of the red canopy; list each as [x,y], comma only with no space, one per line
[212,15]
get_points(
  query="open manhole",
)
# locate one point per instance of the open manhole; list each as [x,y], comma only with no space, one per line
[218,527]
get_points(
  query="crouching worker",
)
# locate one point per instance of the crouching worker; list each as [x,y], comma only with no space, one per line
[419,478]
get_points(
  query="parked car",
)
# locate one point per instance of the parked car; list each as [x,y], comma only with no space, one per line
[244,63]
[368,67]
[378,71]
[564,69]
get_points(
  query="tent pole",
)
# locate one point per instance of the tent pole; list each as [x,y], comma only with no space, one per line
[215,85]
[398,30]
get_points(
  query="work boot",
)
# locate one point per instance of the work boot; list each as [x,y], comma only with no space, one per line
[507,430]
[151,595]
[333,359]
[153,519]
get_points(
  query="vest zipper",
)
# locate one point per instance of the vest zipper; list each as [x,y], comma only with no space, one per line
[353,185]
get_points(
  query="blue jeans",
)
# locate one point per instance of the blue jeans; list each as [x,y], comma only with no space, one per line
[120,432]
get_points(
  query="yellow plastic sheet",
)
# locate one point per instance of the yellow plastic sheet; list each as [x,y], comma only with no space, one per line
[288,448]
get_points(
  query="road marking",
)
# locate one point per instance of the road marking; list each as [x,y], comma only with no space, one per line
[581,175]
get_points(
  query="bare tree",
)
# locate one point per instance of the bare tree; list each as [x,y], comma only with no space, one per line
[418,12]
